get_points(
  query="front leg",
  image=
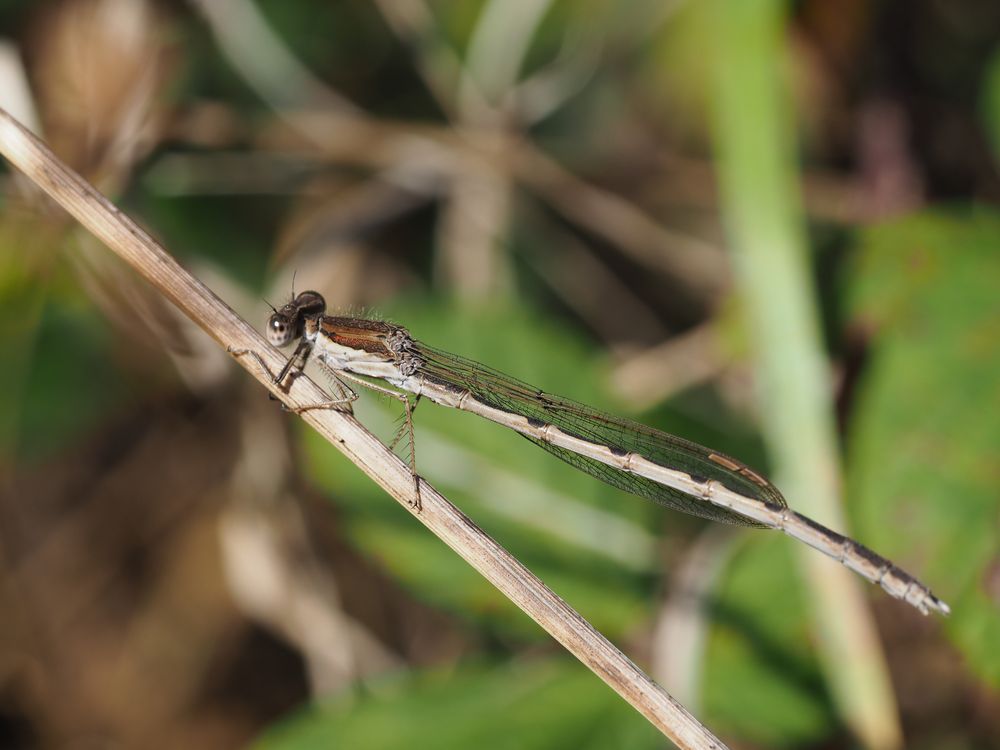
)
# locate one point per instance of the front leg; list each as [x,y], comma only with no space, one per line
[296,362]
[295,365]
[256,357]
[263,366]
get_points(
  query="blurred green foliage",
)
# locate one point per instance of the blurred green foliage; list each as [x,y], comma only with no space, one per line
[541,704]
[761,678]
[55,384]
[922,470]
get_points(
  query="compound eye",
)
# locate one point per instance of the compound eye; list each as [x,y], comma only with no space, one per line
[310,303]
[280,330]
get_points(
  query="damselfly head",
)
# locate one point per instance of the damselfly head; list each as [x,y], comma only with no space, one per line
[285,325]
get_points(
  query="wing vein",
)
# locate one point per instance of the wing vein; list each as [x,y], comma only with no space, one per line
[503,392]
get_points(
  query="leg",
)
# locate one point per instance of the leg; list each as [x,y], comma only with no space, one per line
[257,359]
[407,427]
[402,428]
[301,354]
[297,361]
[295,364]
[344,393]
[336,404]
[347,395]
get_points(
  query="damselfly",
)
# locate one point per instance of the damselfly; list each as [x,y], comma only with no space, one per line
[663,468]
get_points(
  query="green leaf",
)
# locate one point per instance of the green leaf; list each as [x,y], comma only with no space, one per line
[556,703]
[922,460]
[991,102]
[55,382]
[762,681]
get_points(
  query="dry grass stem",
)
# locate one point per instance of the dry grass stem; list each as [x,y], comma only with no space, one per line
[198,302]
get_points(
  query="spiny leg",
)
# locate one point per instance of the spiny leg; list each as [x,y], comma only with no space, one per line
[296,363]
[337,404]
[407,426]
[276,379]
[256,357]
[302,354]
[402,428]
[347,394]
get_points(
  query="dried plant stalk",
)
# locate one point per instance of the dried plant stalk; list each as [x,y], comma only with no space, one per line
[452,526]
